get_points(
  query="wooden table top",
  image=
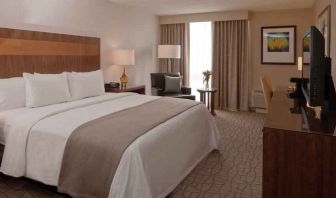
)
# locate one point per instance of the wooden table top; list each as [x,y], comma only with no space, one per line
[207,90]
[128,88]
[294,115]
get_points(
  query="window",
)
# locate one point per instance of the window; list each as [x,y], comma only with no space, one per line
[200,53]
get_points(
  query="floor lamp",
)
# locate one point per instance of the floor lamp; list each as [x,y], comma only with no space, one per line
[169,52]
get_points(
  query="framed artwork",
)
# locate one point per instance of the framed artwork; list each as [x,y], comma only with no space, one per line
[324,23]
[278,45]
[306,50]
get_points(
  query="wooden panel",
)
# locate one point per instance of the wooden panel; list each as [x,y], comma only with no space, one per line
[298,165]
[31,51]
[44,36]
[140,89]
[297,162]
[33,47]
[11,66]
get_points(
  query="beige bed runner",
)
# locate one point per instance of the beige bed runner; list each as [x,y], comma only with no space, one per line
[93,151]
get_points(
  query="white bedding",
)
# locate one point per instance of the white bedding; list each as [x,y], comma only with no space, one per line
[151,166]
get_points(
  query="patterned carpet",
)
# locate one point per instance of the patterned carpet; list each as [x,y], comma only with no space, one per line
[235,171]
[232,172]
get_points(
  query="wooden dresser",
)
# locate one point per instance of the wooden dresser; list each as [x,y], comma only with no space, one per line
[299,151]
[140,89]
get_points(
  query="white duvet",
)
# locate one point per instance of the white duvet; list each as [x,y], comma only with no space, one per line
[152,166]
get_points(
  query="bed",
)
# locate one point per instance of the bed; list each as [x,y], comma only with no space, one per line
[35,139]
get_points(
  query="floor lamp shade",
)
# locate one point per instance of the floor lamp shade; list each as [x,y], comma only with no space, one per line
[169,51]
[123,57]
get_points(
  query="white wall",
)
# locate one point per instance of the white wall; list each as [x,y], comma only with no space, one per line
[319,6]
[279,74]
[201,17]
[117,26]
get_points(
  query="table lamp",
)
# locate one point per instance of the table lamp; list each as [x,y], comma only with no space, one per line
[123,57]
[169,52]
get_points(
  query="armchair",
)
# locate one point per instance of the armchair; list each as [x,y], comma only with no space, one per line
[158,87]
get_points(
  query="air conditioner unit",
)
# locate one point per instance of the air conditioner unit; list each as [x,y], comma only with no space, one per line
[258,100]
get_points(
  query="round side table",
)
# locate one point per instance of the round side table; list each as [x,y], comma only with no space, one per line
[208,97]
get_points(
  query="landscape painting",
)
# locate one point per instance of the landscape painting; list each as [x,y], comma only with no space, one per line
[278,42]
[278,45]
[306,49]
[306,43]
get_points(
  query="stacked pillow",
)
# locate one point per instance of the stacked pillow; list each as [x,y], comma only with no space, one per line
[46,89]
[83,85]
[12,93]
[37,90]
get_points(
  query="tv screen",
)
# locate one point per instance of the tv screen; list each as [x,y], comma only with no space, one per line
[314,57]
[306,59]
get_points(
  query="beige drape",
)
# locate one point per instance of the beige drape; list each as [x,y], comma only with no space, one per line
[230,64]
[176,34]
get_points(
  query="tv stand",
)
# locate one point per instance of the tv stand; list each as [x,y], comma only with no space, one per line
[299,82]
[299,151]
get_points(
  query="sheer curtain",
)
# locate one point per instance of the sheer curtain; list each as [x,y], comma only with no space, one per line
[200,53]
[230,64]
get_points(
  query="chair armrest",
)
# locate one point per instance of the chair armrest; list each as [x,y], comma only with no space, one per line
[186,90]
[156,91]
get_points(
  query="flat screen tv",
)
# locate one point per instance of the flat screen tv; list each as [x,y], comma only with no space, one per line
[316,72]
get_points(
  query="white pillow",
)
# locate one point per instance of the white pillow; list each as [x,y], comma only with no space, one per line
[42,90]
[87,84]
[63,76]
[49,75]
[12,93]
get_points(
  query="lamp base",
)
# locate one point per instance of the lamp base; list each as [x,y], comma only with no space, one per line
[123,79]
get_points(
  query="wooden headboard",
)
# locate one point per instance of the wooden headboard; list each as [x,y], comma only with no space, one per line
[30,51]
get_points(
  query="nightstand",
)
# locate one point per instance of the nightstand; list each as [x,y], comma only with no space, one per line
[140,89]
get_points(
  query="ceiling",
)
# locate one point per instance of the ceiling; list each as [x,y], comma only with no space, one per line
[170,7]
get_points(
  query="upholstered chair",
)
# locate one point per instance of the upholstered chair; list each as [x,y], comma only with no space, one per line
[158,87]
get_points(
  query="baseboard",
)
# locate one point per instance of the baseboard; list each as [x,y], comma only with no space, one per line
[259,110]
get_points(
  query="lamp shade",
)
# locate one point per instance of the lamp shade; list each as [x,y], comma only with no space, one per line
[300,63]
[169,51]
[123,57]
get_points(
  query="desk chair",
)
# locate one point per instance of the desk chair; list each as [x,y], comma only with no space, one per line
[267,89]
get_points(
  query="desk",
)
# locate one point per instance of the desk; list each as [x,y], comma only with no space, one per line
[299,151]
[207,96]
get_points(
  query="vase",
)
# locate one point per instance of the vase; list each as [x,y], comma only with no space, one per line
[206,84]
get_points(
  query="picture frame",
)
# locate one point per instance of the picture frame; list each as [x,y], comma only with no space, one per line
[278,45]
[324,25]
[306,50]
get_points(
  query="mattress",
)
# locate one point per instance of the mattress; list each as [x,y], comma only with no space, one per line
[151,166]
[4,117]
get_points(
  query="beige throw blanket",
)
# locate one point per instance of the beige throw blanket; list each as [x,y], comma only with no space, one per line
[93,150]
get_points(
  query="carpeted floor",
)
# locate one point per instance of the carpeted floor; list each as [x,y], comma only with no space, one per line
[233,171]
